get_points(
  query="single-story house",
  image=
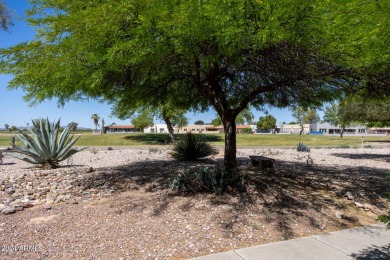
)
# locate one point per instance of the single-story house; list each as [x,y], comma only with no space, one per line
[120,129]
[157,128]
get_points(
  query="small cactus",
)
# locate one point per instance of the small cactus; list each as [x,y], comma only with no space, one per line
[302,148]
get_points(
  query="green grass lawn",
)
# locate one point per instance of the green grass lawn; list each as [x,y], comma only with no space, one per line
[218,139]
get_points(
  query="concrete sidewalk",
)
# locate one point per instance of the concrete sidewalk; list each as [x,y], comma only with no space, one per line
[368,242]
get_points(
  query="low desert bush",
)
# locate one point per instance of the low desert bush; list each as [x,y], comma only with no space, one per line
[195,179]
[302,148]
[247,130]
[205,178]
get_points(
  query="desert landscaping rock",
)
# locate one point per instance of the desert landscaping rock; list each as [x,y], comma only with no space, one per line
[8,210]
[350,218]
[349,195]
[359,205]
[46,206]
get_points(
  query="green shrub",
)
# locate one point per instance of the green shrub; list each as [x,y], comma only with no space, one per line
[190,147]
[43,146]
[247,130]
[302,148]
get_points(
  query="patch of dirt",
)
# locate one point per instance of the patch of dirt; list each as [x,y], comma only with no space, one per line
[39,220]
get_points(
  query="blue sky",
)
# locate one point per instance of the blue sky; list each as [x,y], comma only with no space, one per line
[15,111]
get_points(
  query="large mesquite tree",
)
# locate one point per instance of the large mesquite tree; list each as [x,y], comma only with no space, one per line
[230,53]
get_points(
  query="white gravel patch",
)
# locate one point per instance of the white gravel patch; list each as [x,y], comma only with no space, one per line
[92,157]
[378,158]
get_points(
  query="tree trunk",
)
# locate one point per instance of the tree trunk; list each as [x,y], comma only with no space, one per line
[229,126]
[342,132]
[170,130]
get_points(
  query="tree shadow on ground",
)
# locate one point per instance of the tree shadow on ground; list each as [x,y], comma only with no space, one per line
[162,138]
[373,253]
[376,157]
[11,163]
[294,192]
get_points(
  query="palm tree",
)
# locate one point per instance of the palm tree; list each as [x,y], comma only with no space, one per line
[95,118]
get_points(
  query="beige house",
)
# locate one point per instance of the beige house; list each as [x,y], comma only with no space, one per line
[210,129]
[379,130]
[293,128]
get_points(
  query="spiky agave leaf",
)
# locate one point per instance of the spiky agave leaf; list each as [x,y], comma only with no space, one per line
[23,157]
[27,141]
[43,146]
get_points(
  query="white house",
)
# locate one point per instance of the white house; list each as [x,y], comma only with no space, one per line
[157,128]
[329,129]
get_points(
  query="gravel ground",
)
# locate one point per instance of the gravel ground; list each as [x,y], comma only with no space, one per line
[123,208]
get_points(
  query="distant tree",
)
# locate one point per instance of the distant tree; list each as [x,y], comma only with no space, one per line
[142,120]
[311,116]
[199,122]
[13,128]
[6,126]
[247,130]
[216,121]
[335,115]
[172,117]
[95,118]
[299,114]
[266,122]
[5,16]
[292,123]
[283,123]
[304,116]
[180,121]
[245,117]
[368,111]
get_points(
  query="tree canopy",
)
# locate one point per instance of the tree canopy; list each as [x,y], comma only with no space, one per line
[226,54]
[245,117]
[266,122]
[358,110]
[142,120]
[199,122]
[337,116]
[372,112]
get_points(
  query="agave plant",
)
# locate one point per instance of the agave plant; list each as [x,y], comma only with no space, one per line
[44,146]
[191,147]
